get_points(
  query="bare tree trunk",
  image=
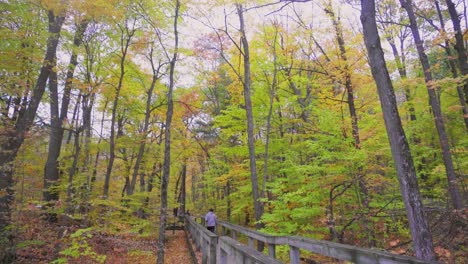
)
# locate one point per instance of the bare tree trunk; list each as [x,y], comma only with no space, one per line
[12,137]
[98,153]
[167,142]
[51,170]
[273,88]
[361,180]
[258,206]
[453,67]
[399,58]
[436,109]
[346,72]
[73,121]
[148,110]
[459,45]
[422,238]
[182,188]
[70,209]
[125,39]
[228,201]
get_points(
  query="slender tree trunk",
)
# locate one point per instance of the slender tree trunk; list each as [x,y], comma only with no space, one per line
[71,174]
[167,142]
[125,39]
[422,238]
[12,137]
[51,170]
[182,188]
[436,109]
[400,61]
[273,88]
[73,121]
[228,201]
[361,180]
[459,44]
[258,206]
[98,153]
[402,71]
[141,148]
[347,74]
[453,67]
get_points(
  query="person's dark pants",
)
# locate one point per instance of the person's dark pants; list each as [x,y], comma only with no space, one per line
[211,228]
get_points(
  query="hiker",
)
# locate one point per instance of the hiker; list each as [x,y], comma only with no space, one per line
[210,220]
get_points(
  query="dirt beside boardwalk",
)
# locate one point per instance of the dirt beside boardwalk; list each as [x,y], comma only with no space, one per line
[39,241]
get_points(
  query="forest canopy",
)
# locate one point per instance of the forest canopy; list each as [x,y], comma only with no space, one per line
[335,120]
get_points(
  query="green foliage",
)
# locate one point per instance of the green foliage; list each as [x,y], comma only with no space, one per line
[28,243]
[79,248]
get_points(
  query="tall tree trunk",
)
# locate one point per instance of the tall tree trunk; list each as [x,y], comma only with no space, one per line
[399,58]
[141,149]
[459,44]
[12,137]
[402,71]
[182,188]
[258,206]
[361,180]
[98,153]
[422,238]
[167,142]
[125,39]
[436,109]
[228,200]
[273,88]
[51,170]
[70,209]
[453,67]
[347,74]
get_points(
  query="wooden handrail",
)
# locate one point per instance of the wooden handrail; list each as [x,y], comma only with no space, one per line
[321,247]
[232,251]
[205,240]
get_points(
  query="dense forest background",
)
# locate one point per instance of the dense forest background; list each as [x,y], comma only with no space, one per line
[112,113]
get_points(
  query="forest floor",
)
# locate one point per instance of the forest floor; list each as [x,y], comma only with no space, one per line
[64,241]
[40,241]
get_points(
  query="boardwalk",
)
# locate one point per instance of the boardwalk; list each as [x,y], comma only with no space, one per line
[225,249]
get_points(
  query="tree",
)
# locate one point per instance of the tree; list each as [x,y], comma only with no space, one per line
[127,31]
[14,132]
[51,170]
[452,63]
[436,109]
[157,70]
[422,239]
[459,43]
[394,32]
[167,139]
[246,83]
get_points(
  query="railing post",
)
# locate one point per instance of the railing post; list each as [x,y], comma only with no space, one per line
[222,256]
[251,242]
[213,245]
[198,239]
[204,252]
[294,255]
[272,250]
[234,234]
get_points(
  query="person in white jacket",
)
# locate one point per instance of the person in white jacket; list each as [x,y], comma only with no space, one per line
[210,220]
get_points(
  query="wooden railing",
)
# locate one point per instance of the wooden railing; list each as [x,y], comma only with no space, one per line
[229,250]
[205,240]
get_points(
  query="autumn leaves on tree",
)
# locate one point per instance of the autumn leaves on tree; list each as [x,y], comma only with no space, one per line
[267,112]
